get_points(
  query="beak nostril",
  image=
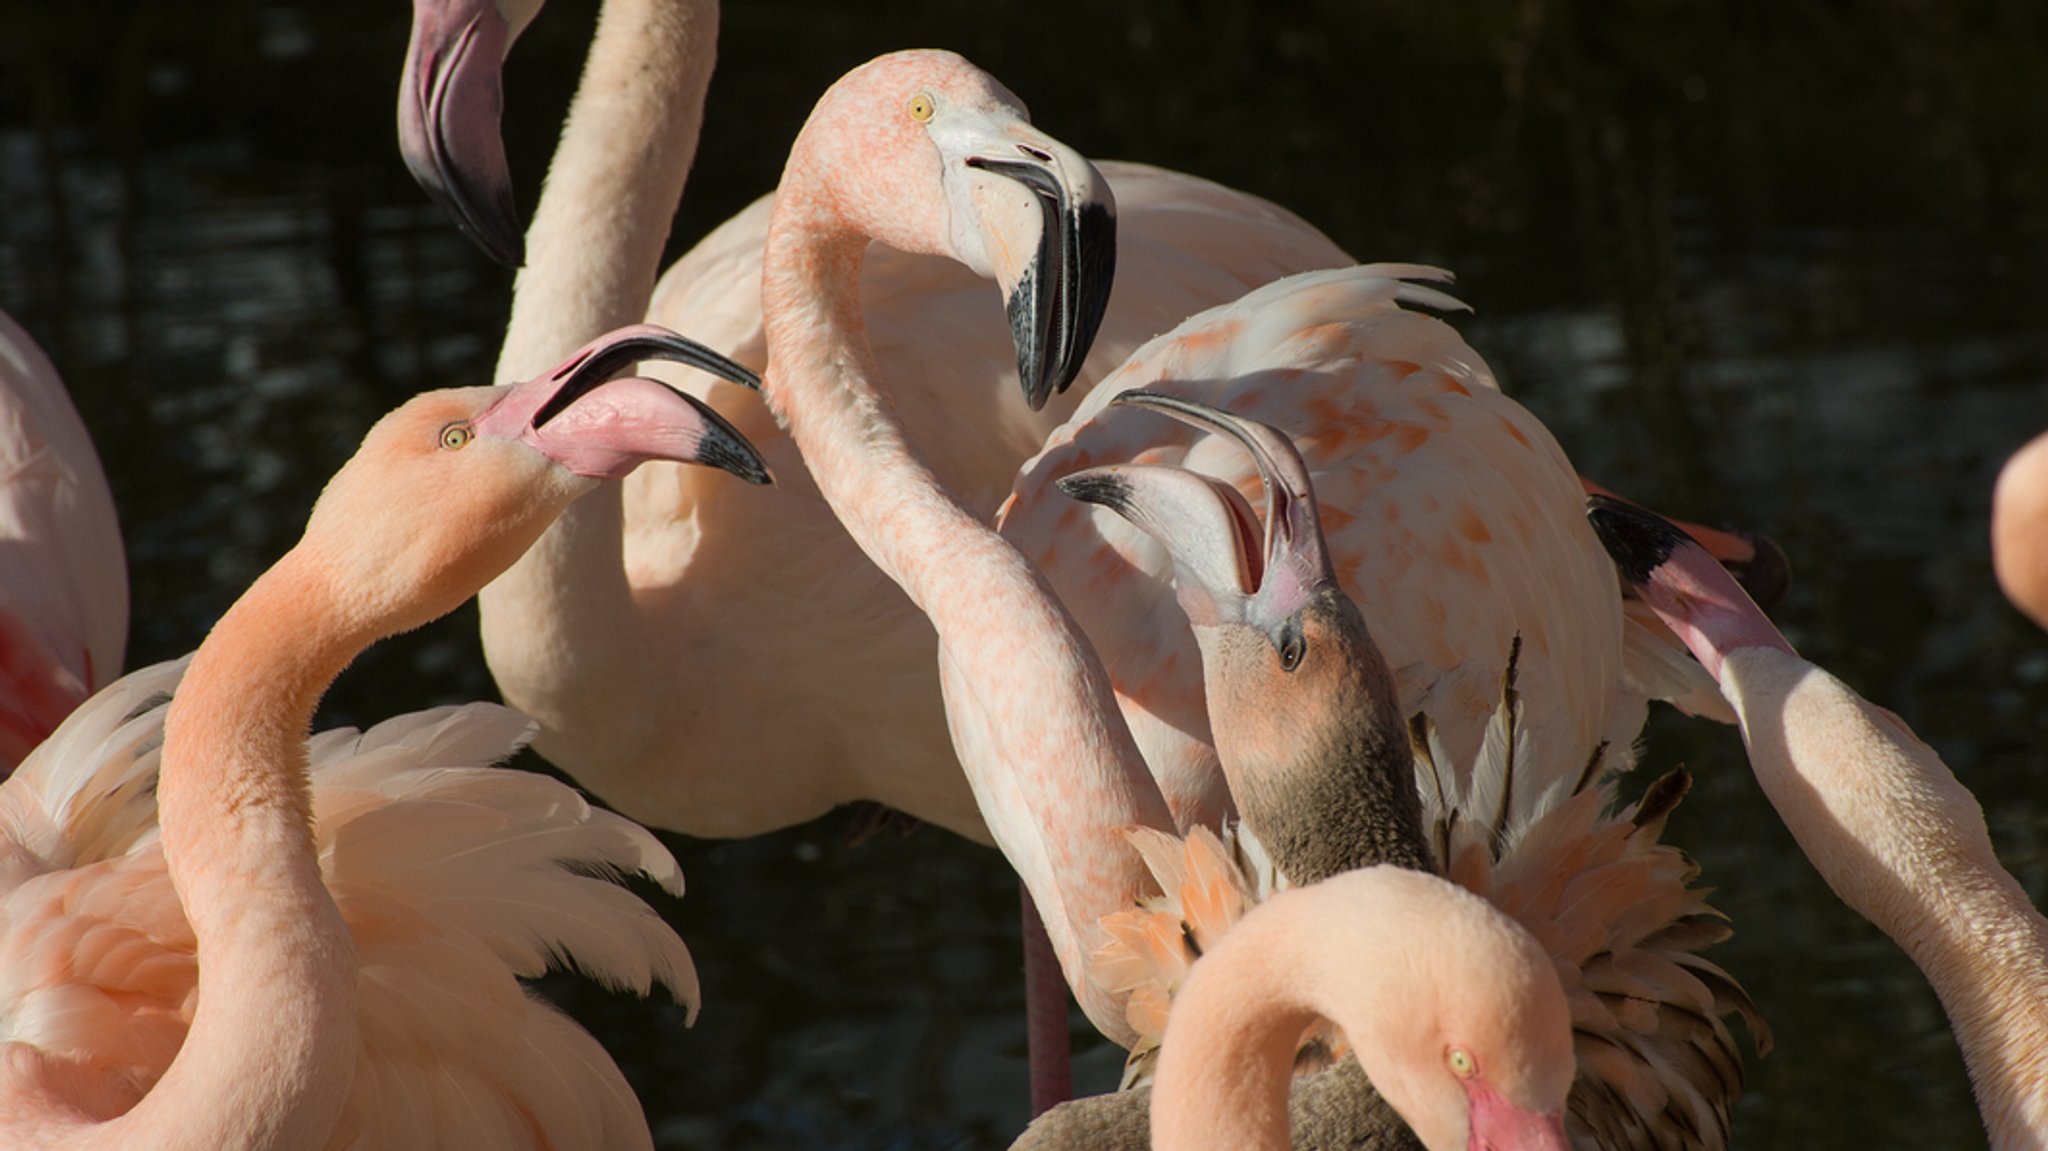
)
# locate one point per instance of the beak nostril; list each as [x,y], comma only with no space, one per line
[1036,154]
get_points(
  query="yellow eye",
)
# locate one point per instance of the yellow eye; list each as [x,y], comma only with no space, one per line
[921,107]
[1461,1064]
[456,435]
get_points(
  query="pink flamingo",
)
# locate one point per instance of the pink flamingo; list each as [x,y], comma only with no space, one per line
[1882,819]
[1472,1047]
[217,934]
[63,574]
[1322,765]
[2019,529]
[1033,717]
[582,633]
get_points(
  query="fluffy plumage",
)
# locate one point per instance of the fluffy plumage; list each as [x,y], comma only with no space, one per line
[456,879]
[1452,516]
[1613,906]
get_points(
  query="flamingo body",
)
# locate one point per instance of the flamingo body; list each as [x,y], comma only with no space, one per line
[768,581]
[63,573]
[456,879]
[1452,517]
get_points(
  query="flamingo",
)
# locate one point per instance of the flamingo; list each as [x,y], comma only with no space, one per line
[1033,718]
[1883,820]
[1456,1010]
[1322,766]
[215,933]
[63,574]
[2019,529]
[583,633]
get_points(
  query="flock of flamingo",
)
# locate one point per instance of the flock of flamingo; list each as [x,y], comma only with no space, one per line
[1288,661]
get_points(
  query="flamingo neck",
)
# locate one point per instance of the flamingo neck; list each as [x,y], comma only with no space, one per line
[271,1051]
[1047,754]
[1318,952]
[593,251]
[1904,844]
[612,188]
[1321,767]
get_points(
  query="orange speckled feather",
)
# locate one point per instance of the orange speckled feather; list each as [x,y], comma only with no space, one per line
[1453,519]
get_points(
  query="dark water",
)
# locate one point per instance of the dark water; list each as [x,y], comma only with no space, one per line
[1776,265]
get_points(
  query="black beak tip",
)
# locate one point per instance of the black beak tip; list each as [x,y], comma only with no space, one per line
[737,457]
[1097,486]
[491,223]
[1638,540]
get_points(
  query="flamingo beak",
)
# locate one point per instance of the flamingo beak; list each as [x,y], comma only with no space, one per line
[449,102]
[1682,582]
[599,426]
[1498,1125]
[1057,294]
[1211,531]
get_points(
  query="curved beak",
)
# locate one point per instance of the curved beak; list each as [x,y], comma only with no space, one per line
[1057,286]
[1697,598]
[449,101]
[1211,531]
[600,426]
[1498,1125]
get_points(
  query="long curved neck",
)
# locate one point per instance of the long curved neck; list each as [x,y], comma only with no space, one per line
[1308,953]
[271,1051]
[1904,844]
[593,251]
[612,188]
[1046,751]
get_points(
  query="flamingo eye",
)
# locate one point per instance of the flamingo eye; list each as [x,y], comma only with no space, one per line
[1461,1063]
[1292,646]
[922,107]
[456,436]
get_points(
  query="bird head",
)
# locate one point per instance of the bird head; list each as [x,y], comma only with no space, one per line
[926,153]
[451,487]
[1291,672]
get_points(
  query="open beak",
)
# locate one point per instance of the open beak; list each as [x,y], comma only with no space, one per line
[1697,598]
[449,101]
[600,426]
[1224,572]
[1057,288]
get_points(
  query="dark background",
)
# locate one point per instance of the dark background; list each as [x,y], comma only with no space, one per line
[1774,265]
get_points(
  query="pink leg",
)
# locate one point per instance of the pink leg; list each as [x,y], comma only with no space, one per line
[1045,1015]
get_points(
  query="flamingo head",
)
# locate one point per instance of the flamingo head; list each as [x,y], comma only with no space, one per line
[1294,680]
[1682,582]
[1477,1052]
[449,102]
[453,486]
[925,152]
